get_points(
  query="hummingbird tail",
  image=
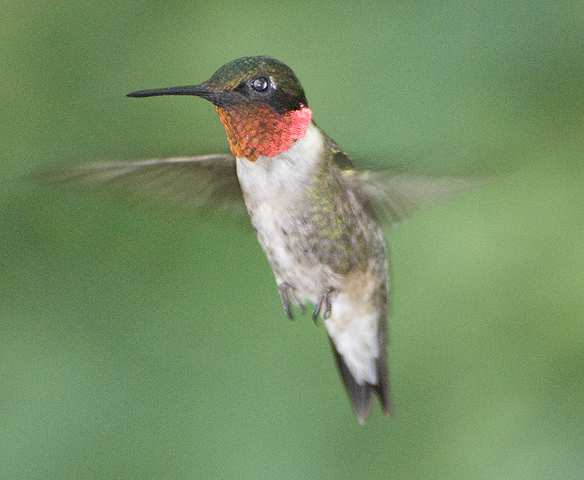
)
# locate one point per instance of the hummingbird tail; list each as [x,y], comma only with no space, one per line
[360,394]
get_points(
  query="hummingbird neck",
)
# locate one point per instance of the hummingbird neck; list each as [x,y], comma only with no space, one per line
[257,129]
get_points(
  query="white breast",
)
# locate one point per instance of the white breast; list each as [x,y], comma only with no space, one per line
[282,179]
[273,189]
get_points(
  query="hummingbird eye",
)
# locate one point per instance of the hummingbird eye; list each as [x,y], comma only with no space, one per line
[260,84]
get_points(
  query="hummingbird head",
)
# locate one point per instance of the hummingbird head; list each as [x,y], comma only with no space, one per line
[260,102]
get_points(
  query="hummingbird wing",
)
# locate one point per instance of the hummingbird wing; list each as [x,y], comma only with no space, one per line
[205,184]
[396,196]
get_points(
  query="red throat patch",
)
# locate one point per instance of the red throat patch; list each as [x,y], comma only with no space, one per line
[257,129]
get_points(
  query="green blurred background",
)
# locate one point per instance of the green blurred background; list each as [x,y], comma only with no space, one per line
[137,348]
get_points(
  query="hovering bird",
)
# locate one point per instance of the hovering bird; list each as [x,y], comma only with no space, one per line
[318,220]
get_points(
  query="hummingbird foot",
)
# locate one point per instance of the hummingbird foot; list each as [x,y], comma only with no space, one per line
[287,295]
[323,300]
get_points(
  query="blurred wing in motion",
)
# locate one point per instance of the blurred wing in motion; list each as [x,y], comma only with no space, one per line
[206,184]
[396,196]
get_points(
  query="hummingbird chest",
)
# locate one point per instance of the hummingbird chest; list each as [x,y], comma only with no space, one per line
[275,197]
[313,231]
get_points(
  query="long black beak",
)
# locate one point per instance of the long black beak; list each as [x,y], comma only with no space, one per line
[198,90]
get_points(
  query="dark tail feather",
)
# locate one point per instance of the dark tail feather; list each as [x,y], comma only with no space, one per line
[360,395]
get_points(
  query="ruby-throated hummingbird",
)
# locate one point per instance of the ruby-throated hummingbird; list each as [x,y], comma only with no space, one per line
[317,218]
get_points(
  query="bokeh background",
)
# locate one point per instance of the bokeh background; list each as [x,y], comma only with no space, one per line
[135,347]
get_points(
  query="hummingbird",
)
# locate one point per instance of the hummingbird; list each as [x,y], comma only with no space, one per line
[318,219]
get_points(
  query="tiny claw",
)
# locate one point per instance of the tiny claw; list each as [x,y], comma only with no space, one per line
[315,314]
[286,292]
[283,291]
[324,299]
